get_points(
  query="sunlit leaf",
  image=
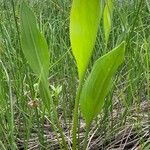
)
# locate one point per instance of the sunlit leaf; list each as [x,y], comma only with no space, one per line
[98,83]
[107,19]
[34,45]
[84,21]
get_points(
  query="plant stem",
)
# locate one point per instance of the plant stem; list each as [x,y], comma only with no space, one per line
[147,72]
[55,117]
[86,136]
[59,127]
[12,125]
[75,115]
[134,23]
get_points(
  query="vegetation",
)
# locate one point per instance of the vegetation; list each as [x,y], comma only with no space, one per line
[74,75]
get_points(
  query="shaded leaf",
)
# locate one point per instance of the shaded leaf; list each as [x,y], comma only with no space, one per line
[34,45]
[84,21]
[98,83]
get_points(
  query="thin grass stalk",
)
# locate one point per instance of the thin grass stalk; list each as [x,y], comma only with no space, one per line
[86,136]
[130,54]
[134,23]
[146,47]
[16,24]
[40,129]
[147,75]
[46,88]
[12,124]
[2,146]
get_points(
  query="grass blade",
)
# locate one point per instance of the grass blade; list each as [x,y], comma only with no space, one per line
[107,19]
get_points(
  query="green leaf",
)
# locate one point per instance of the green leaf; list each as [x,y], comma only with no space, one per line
[84,21]
[98,83]
[107,19]
[34,45]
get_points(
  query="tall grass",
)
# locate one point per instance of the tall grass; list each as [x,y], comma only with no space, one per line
[19,119]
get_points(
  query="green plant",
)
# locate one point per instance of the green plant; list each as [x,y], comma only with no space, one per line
[84,22]
[35,49]
[125,106]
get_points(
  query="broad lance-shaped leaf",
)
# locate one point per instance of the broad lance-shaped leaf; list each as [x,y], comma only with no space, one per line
[98,83]
[35,49]
[84,21]
[34,45]
[107,18]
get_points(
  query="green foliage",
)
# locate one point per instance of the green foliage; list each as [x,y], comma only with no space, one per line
[84,21]
[148,5]
[35,49]
[34,45]
[1,47]
[131,85]
[98,83]
[107,19]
